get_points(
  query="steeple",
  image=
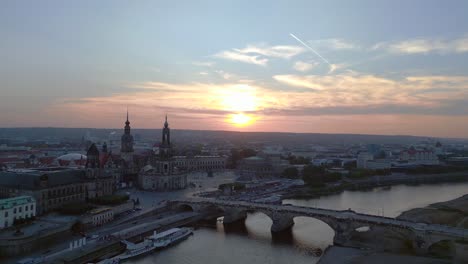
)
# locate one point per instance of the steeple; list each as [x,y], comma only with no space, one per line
[127,138]
[165,149]
[127,125]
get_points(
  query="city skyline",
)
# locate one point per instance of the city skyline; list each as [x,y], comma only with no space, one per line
[308,67]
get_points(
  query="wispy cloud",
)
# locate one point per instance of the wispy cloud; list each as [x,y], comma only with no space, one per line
[235,55]
[225,75]
[424,46]
[334,44]
[304,66]
[356,89]
[204,63]
[259,54]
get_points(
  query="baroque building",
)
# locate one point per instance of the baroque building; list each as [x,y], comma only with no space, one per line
[162,174]
[55,187]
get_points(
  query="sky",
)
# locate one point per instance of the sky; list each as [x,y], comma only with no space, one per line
[365,67]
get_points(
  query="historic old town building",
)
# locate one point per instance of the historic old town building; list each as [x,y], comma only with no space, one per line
[54,187]
[161,173]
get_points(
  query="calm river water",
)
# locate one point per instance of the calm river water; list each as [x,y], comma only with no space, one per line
[253,242]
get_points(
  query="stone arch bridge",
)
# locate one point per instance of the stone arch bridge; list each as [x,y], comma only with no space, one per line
[344,223]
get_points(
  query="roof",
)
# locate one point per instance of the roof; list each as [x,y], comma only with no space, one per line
[72,156]
[254,158]
[15,201]
[30,179]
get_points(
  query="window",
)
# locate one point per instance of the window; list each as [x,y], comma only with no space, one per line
[6,214]
[14,210]
[20,209]
[31,207]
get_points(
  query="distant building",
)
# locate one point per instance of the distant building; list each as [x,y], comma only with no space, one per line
[366,160]
[362,159]
[162,173]
[11,209]
[264,165]
[200,163]
[419,157]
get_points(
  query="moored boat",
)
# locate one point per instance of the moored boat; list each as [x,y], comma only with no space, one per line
[150,244]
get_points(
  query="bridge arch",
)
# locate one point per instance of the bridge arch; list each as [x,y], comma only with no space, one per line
[441,248]
[184,208]
[309,226]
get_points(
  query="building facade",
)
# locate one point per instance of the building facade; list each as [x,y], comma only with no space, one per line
[15,208]
[419,157]
[162,173]
[201,163]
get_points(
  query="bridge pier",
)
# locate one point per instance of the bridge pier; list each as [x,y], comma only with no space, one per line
[234,215]
[281,223]
[343,233]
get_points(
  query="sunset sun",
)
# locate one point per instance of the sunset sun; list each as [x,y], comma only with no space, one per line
[240,119]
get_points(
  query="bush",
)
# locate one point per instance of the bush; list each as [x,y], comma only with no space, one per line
[290,173]
[365,173]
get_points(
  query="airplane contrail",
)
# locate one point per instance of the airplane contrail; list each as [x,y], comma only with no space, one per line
[311,49]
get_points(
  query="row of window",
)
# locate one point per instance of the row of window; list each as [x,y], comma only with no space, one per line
[26,217]
[20,209]
[59,201]
[63,191]
[208,162]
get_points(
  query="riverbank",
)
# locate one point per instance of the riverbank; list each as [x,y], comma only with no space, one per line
[308,192]
[452,213]
[343,255]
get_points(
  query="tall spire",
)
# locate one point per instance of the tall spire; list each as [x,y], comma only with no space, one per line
[127,125]
[165,123]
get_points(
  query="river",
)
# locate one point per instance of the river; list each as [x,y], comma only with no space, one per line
[253,242]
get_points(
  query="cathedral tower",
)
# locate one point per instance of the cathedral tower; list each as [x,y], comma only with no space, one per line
[127,139]
[165,150]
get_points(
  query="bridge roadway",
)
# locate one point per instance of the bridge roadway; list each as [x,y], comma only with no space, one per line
[339,221]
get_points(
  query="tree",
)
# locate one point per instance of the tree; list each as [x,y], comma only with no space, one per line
[290,173]
[237,155]
[312,175]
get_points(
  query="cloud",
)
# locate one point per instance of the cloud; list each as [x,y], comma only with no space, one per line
[424,46]
[259,54]
[204,63]
[225,75]
[357,90]
[334,44]
[304,66]
[284,52]
[331,97]
[238,56]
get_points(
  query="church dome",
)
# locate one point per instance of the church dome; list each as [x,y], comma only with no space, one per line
[72,159]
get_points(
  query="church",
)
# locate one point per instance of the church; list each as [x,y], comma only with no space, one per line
[162,173]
